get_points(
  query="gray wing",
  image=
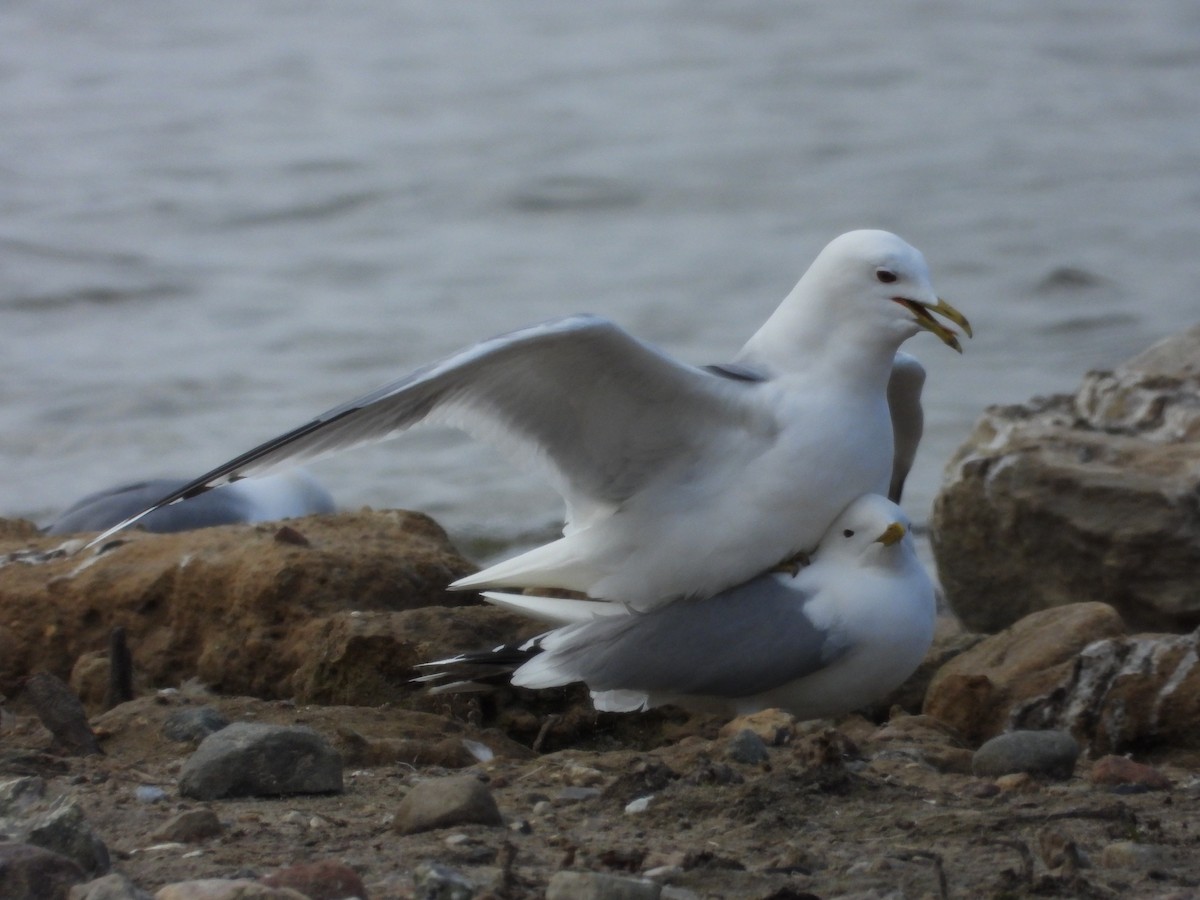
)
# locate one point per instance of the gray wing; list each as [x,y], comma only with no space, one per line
[908,419]
[600,410]
[740,642]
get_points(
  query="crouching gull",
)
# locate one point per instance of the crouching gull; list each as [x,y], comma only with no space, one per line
[283,496]
[679,481]
[839,634]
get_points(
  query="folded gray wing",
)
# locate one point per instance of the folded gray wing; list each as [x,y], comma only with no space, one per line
[908,419]
[601,411]
[740,642]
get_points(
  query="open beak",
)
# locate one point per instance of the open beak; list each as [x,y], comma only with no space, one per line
[923,313]
[891,534]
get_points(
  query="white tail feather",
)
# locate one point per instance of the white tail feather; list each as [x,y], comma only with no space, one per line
[555,610]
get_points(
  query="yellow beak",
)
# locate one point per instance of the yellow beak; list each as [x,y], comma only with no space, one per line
[891,534]
[923,312]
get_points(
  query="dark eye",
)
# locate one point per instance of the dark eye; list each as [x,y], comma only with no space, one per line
[848,533]
[886,276]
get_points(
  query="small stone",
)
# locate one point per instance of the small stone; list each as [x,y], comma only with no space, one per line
[435,882]
[597,886]
[324,880]
[149,793]
[63,829]
[18,795]
[250,759]
[190,827]
[447,802]
[1129,854]
[1119,770]
[572,794]
[192,724]
[113,886]
[34,873]
[225,889]
[774,726]
[1050,753]
[640,805]
[748,748]
[1016,783]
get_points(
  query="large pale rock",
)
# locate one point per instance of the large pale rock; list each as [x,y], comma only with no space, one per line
[1073,668]
[1085,497]
[233,606]
[254,759]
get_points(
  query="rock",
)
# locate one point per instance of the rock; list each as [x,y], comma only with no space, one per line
[1086,496]
[981,692]
[774,726]
[922,738]
[225,889]
[598,886]
[150,793]
[446,802]
[1050,753]
[192,724]
[113,886]
[18,795]
[1118,770]
[1129,855]
[252,759]
[436,882]
[324,880]
[34,873]
[190,827]
[61,829]
[62,713]
[231,605]
[747,748]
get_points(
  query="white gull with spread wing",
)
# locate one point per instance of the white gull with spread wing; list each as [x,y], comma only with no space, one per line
[679,481]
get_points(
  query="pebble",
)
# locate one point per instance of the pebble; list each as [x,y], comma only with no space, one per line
[250,759]
[435,882]
[774,726]
[192,724]
[113,886]
[18,795]
[598,886]
[149,793]
[225,889]
[573,794]
[1118,770]
[190,827]
[640,805]
[748,748]
[1129,854]
[1049,753]
[323,880]
[1016,783]
[63,829]
[445,803]
[34,873]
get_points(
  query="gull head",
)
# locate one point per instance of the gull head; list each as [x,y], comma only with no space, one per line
[879,282]
[872,527]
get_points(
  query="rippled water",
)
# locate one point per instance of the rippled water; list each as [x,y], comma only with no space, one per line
[220,218]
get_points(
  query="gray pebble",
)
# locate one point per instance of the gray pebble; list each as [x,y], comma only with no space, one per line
[747,747]
[192,724]
[435,882]
[251,759]
[445,803]
[598,886]
[1050,753]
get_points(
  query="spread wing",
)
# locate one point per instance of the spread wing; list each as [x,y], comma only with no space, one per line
[601,412]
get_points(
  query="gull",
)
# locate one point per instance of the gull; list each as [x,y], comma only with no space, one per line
[282,496]
[678,480]
[839,634]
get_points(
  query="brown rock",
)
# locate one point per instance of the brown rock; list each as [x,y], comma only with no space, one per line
[774,726]
[1090,496]
[32,873]
[979,691]
[1121,770]
[190,827]
[223,604]
[324,880]
[446,802]
[225,889]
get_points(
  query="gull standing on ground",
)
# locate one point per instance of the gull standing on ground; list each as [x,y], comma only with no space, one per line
[841,633]
[679,481]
